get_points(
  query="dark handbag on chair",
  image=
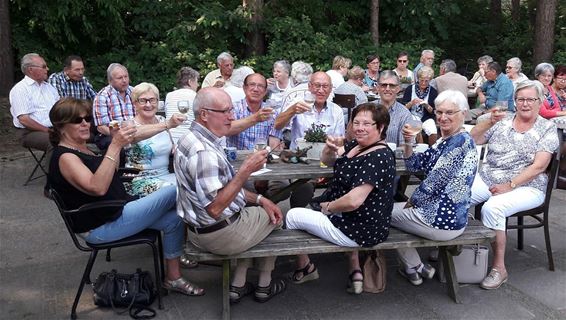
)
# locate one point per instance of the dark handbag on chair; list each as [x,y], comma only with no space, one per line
[133,291]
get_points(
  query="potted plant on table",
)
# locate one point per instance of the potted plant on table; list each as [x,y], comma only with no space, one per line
[315,137]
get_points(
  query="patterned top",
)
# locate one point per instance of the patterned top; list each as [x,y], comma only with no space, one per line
[245,140]
[70,88]
[443,198]
[369,224]
[369,81]
[34,99]
[499,90]
[202,169]
[152,157]
[509,151]
[109,105]
[399,115]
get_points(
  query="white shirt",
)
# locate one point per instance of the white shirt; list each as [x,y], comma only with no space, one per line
[34,99]
[336,77]
[171,101]
[212,77]
[236,94]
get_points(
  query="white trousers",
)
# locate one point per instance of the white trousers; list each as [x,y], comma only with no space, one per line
[318,224]
[408,220]
[497,208]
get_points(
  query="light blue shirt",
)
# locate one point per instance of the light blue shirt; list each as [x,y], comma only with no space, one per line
[499,90]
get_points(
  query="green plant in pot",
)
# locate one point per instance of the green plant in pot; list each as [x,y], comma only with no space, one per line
[314,139]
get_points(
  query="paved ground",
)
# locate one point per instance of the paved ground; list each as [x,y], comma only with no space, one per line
[40,270]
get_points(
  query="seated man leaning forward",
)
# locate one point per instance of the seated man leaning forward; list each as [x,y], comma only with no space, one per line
[357,209]
[513,178]
[438,209]
[212,201]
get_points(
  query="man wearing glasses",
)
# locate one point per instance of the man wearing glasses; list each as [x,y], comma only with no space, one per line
[497,88]
[112,103]
[212,199]
[387,88]
[31,100]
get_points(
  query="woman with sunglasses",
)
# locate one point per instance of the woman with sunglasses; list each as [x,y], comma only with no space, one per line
[405,75]
[81,177]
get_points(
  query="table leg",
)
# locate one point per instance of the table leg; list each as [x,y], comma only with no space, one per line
[226,289]
[450,273]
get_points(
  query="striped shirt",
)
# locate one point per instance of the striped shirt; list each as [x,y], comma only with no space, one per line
[69,88]
[202,170]
[398,117]
[109,105]
[34,99]
[171,101]
[245,140]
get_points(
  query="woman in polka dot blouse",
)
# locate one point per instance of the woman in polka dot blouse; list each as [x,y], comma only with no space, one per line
[357,209]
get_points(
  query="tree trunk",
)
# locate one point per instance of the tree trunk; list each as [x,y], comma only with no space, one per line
[256,40]
[6,58]
[516,10]
[495,16]
[544,31]
[374,22]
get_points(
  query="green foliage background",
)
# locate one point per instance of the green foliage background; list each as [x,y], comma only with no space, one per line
[153,39]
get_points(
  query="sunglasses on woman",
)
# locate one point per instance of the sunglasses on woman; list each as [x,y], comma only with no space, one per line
[78,120]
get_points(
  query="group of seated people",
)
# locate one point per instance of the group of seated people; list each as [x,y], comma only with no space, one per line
[224,213]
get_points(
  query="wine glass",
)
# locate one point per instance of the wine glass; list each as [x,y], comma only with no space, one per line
[500,106]
[413,126]
[127,124]
[183,107]
[260,144]
[309,99]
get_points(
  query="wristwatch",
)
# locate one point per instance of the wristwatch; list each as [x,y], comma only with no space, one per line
[513,185]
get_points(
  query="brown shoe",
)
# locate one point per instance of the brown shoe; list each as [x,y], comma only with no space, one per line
[493,280]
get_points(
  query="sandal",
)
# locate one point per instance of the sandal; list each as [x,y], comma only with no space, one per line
[183,286]
[263,294]
[187,263]
[355,286]
[237,293]
[303,275]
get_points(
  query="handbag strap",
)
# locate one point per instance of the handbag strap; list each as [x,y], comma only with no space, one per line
[136,291]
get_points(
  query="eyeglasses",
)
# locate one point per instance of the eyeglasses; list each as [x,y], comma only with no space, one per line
[424,80]
[78,120]
[256,85]
[150,100]
[374,62]
[450,113]
[225,112]
[560,79]
[386,85]
[43,66]
[402,61]
[320,85]
[528,101]
[508,67]
[363,124]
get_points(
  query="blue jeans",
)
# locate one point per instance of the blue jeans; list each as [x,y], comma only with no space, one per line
[156,211]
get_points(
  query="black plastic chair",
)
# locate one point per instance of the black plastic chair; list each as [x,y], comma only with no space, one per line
[38,165]
[539,214]
[347,101]
[148,236]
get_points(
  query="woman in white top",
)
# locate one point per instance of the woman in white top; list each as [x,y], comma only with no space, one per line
[281,81]
[187,82]
[513,70]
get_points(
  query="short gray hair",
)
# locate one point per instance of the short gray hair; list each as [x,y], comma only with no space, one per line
[535,84]
[111,69]
[239,75]
[388,74]
[485,59]
[185,75]
[454,97]
[425,71]
[301,72]
[207,97]
[516,62]
[283,64]
[425,51]
[542,68]
[224,56]
[356,73]
[143,88]
[448,65]
[27,61]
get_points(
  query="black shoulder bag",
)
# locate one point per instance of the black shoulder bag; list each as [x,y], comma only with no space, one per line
[135,292]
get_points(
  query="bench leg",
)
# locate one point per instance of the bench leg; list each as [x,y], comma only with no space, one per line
[450,273]
[226,289]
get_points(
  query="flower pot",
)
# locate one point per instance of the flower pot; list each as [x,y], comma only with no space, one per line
[315,151]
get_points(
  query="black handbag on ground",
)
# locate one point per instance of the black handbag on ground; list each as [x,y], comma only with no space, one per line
[133,291]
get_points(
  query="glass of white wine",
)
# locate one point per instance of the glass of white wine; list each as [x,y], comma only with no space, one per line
[260,144]
[414,127]
[183,107]
[309,99]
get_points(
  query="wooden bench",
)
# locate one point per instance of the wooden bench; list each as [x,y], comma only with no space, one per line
[293,242]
